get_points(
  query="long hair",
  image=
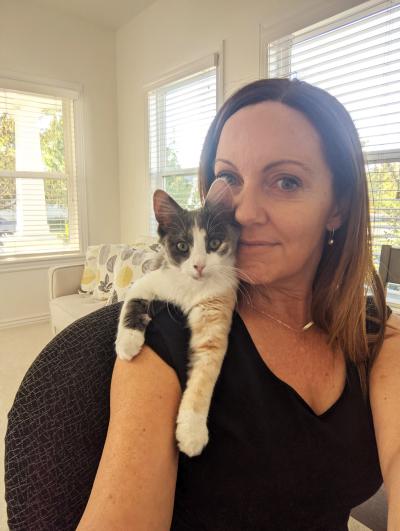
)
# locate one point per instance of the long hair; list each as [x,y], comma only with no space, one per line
[345,274]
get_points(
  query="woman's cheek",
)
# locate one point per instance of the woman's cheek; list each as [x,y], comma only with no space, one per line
[258,269]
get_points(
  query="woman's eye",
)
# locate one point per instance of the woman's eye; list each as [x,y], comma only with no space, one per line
[288,184]
[182,246]
[228,178]
[214,244]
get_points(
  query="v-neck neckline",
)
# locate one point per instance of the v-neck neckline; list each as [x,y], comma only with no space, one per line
[263,364]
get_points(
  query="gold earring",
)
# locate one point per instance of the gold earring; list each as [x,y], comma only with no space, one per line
[331,240]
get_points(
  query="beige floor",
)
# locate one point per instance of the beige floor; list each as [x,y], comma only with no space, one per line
[18,348]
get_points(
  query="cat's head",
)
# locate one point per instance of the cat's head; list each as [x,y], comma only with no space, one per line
[199,241]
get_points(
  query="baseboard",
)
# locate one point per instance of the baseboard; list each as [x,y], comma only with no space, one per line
[22,321]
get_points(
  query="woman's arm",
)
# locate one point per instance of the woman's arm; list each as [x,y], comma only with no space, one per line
[385,405]
[135,482]
[392,480]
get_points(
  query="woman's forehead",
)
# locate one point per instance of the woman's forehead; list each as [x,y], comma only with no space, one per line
[257,133]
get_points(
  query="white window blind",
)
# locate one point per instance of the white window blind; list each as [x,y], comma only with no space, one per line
[356,57]
[38,199]
[179,115]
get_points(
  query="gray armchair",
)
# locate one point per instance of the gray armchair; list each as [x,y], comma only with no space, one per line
[58,424]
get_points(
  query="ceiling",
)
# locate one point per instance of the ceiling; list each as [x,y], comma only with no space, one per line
[111,15]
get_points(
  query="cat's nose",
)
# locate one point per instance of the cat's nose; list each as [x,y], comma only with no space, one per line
[199,269]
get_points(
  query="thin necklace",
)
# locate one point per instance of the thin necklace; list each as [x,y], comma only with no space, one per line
[302,329]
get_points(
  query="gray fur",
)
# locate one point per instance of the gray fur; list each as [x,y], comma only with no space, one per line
[217,223]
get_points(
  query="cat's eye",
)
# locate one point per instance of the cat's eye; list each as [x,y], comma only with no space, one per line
[183,247]
[214,244]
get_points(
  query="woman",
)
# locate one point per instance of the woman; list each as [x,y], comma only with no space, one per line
[293,443]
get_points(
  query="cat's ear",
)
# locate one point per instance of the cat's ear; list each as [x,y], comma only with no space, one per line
[220,196]
[165,208]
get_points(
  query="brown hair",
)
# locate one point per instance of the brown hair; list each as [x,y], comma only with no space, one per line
[346,272]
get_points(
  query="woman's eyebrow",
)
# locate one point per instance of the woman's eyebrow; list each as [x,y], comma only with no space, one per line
[273,164]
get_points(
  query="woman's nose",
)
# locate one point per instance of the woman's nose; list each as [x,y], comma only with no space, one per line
[248,208]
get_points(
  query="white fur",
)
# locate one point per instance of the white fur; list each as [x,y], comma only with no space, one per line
[191,431]
[180,285]
[174,286]
[198,255]
[183,286]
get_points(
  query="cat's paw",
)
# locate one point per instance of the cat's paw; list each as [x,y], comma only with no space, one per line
[128,343]
[191,432]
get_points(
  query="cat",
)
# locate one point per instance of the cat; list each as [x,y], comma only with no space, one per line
[197,274]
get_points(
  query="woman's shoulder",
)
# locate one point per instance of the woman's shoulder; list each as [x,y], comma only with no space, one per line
[393,327]
[168,336]
[167,317]
[373,320]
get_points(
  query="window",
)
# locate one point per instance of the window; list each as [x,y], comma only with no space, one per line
[38,199]
[179,115]
[356,57]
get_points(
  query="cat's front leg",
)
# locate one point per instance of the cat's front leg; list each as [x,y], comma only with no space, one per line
[134,319]
[210,323]
[130,337]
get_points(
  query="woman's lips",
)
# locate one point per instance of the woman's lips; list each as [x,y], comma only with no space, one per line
[256,243]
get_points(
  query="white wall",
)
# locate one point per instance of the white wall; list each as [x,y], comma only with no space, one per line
[38,42]
[171,33]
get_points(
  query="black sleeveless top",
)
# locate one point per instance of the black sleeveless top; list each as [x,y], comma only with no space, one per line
[271,463]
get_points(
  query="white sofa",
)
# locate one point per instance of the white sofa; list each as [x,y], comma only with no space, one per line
[66,304]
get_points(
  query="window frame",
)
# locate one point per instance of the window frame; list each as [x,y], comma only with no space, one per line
[174,76]
[51,87]
[269,34]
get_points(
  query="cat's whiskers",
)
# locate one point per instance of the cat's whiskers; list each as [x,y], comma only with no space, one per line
[231,272]
[231,268]
[243,291]
[225,271]
[240,272]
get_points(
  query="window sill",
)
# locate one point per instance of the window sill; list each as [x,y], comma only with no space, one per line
[10,265]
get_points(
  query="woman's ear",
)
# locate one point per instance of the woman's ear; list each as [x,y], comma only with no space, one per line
[335,220]
[339,212]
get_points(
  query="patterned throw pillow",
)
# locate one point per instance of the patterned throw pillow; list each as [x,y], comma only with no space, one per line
[88,280]
[105,269]
[131,264]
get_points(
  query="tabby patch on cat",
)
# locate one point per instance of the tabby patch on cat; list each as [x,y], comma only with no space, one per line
[197,274]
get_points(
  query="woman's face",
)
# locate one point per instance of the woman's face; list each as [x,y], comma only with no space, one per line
[271,156]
